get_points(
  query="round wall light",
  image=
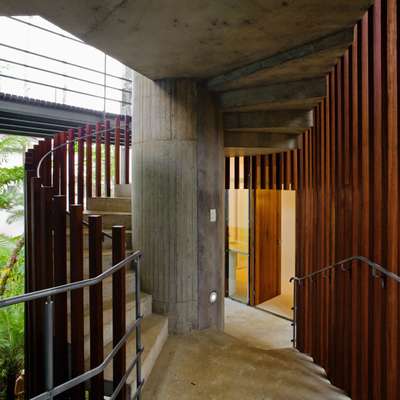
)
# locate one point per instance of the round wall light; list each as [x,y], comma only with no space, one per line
[213,296]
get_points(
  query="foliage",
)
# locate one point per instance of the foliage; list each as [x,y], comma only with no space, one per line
[11,266]
[12,144]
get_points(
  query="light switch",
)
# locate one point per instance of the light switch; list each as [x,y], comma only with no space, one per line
[213,215]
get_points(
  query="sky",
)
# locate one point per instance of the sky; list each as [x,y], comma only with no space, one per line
[17,34]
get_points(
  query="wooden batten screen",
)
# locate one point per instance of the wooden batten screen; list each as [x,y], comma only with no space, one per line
[346,177]
[55,198]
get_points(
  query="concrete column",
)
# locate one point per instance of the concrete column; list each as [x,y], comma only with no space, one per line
[177,179]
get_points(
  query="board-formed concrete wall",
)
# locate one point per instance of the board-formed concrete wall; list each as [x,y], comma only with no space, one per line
[177,179]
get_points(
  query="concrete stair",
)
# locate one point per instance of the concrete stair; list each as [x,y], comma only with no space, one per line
[117,211]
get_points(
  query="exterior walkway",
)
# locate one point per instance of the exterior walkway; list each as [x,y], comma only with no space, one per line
[214,365]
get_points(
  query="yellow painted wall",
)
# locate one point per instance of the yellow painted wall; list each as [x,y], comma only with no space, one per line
[288,240]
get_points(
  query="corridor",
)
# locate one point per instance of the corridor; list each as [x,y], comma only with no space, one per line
[252,360]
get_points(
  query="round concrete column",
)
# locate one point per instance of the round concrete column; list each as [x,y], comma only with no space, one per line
[177,180]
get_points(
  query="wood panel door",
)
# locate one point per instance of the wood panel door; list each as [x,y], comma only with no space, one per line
[267,246]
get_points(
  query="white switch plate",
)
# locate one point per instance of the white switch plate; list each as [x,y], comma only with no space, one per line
[213,215]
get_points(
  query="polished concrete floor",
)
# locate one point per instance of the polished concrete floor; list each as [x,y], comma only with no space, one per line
[212,365]
[255,327]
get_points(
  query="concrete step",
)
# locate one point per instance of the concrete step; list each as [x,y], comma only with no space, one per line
[123,190]
[117,204]
[107,243]
[111,218]
[154,336]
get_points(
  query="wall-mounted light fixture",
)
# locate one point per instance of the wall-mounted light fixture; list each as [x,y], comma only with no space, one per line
[213,296]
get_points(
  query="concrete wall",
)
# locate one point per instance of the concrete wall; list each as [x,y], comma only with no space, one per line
[177,179]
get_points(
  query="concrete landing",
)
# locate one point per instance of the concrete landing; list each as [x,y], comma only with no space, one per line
[255,327]
[213,365]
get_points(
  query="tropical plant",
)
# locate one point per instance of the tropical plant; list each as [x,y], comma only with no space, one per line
[11,268]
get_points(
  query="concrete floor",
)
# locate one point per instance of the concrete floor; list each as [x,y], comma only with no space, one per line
[212,365]
[255,327]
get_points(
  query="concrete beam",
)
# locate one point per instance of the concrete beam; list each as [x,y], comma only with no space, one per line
[253,140]
[303,93]
[279,121]
[333,41]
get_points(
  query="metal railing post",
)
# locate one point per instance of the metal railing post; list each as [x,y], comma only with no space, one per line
[294,323]
[138,329]
[49,345]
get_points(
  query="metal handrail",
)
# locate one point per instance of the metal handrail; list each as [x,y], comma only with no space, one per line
[44,293]
[377,271]
[67,142]
[375,267]
[48,293]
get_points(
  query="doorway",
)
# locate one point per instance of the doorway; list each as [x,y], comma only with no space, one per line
[260,248]
[275,251]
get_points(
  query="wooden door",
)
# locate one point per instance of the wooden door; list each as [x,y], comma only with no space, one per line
[267,248]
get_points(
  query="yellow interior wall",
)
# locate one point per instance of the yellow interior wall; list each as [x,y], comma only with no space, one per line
[288,240]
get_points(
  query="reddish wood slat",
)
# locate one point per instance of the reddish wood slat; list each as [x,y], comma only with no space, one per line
[98,158]
[237,174]
[60,301]
[81,155]
[77,314]
[89,167]
[227,172]
[263,176]
[392,291]
[63,164]
[107,158]
[71,167]
[56,164]
[254,172]
[246,172]
[119,295]
[96,305]
[117,145]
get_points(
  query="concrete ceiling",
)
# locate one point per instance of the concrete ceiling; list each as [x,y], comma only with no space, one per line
[258,55]
[196,38]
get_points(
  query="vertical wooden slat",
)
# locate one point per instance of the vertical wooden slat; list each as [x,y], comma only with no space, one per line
[107,158]
[237,175]
[36,373]
[246,171]
[81,154]
[253,172]
[71,167]
[30,172]
[392,291]
[63,164]
[365,200]
[96,305]
[89,172]
[98,158]
[127,147]
[119,295]
[117,145]
[60,278]
[263,176]
[355,293]
[378,223]
[56,164]
[77,315]
[227,172]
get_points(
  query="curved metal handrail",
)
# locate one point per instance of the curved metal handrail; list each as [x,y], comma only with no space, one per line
[67,142]
[375,268]
[44,293]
